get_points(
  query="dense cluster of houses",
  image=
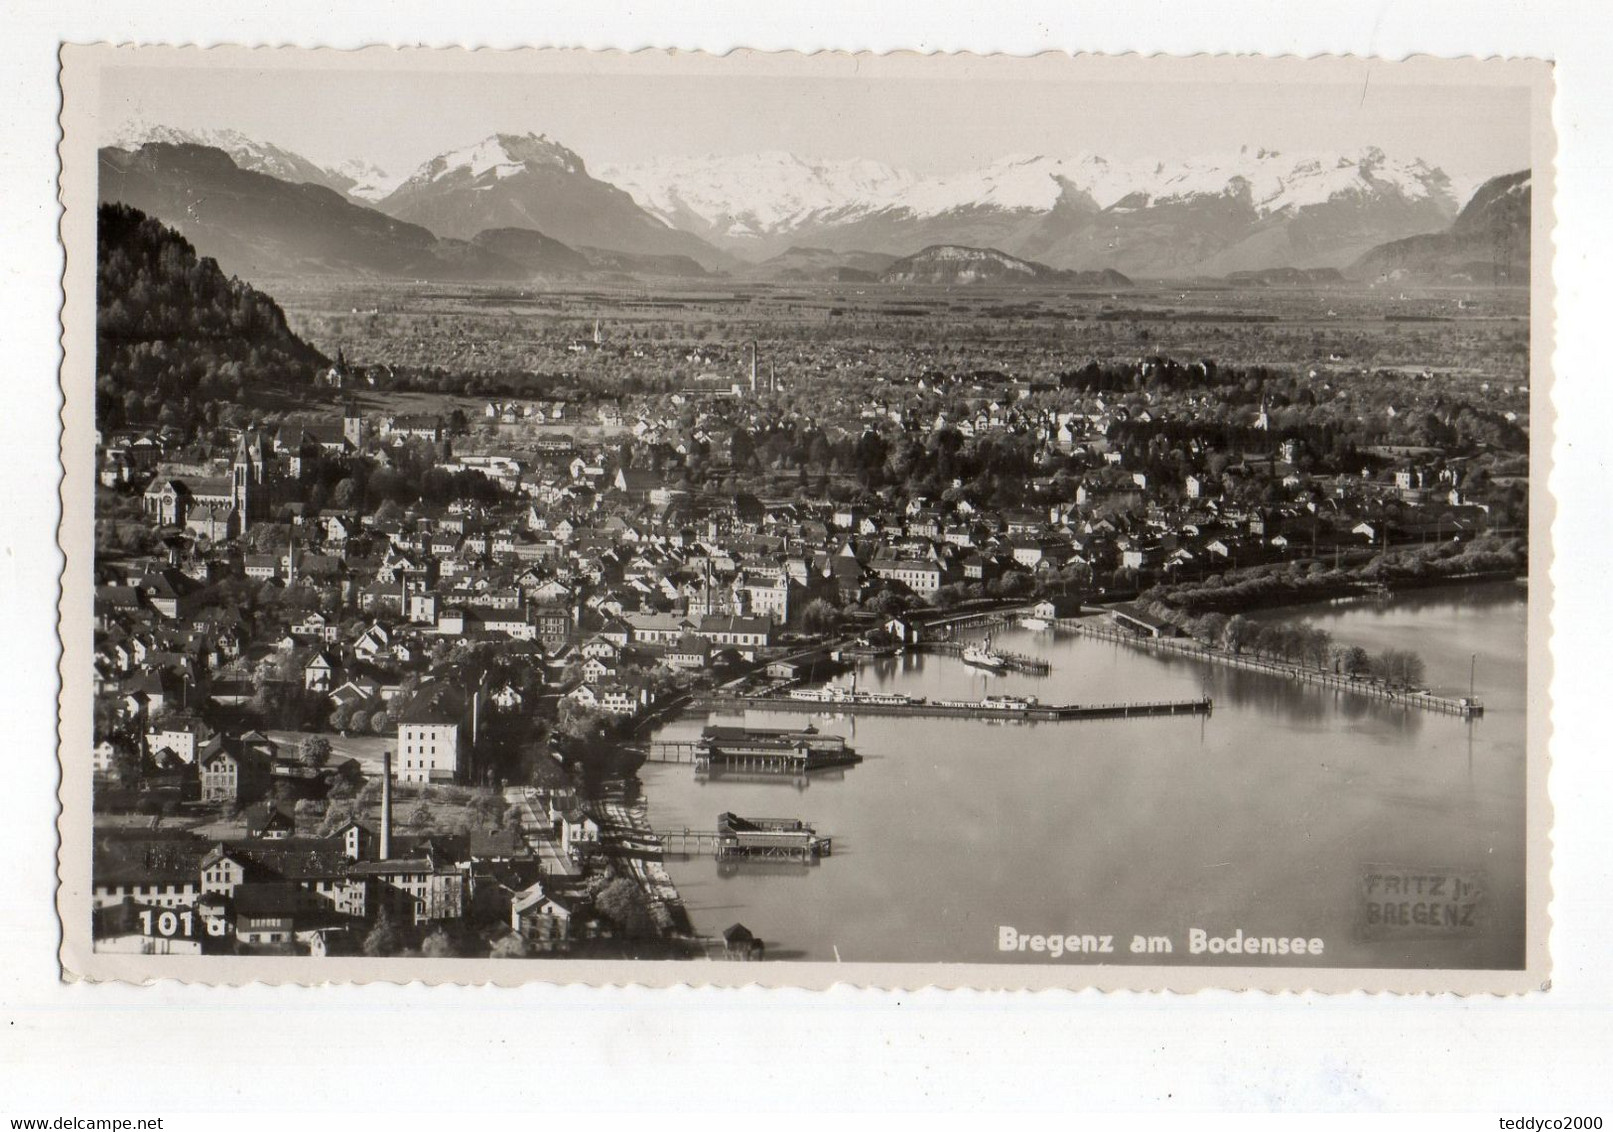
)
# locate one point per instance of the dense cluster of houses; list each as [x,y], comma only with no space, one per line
[266,598]
[281,888]
[597,574]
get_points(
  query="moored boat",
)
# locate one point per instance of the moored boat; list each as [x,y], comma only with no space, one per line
[981,656]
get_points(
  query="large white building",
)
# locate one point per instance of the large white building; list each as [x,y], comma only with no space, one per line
[428,752]
[429,740]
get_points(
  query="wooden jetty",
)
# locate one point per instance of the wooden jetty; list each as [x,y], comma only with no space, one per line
[689,842]
[955,709]
[1467,707]
[761,839]
[672,751]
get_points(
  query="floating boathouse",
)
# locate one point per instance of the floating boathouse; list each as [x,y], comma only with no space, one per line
[788,839]
[786,751]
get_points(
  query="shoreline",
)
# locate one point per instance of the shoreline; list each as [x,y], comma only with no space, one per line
[1352,590]
[1409,586]
[1465,707]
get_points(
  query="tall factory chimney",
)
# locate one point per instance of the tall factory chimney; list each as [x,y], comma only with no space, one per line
[753,369]
[386,805]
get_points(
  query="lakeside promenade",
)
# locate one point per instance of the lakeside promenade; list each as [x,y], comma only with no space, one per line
[1089,626]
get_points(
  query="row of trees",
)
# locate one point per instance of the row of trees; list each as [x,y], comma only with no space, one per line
[1296,642]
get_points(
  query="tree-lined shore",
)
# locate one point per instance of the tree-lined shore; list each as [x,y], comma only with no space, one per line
[1295,583]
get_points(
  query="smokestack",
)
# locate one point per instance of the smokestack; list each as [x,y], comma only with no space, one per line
[753,368]
[386,805]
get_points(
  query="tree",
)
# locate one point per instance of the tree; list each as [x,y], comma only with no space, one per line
[819,616]
[314,752]
[126,765]
[512,946]
[1211,628]
[1239,634]
[1318,646]
[1353,660]
[335,817]
[437,945]
[1400,666]
[384,937]
[1270,638]
[1013,584]
[622,902]
[487,808]
[345,494]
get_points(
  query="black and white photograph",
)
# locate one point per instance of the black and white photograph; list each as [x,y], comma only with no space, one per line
[981,521]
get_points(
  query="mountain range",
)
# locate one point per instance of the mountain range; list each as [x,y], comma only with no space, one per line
[255,224]
[529,181]
[1488,243]
[1257,209]
[771,216]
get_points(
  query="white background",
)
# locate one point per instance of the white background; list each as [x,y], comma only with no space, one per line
[172,1049]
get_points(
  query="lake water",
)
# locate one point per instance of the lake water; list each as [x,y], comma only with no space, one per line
[1267,816]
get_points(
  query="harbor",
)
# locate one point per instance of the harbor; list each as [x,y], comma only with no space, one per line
[1327,780]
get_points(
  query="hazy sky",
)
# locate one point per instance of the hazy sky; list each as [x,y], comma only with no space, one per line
[399,119]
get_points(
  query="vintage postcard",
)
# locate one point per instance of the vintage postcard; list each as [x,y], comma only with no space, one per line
[896,520]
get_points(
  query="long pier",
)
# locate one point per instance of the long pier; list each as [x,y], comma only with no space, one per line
[1467,708]
[1043,713]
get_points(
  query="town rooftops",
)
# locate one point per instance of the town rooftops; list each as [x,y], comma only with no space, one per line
[294,858]
[440,703]
[140,857]
[722,623]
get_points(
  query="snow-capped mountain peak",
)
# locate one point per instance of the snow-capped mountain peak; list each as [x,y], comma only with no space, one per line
[760,193]
[771,193]
[358,179]
[247,152]
[368,182]
[500,156]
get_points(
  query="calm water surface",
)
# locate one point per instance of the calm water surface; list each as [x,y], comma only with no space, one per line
[1265,816]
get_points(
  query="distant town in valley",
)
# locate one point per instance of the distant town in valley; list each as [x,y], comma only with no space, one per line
[424,505]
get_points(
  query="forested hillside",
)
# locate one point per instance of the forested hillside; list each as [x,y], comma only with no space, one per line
[175,336]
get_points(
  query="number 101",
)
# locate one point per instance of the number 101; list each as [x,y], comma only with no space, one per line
[167,923]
